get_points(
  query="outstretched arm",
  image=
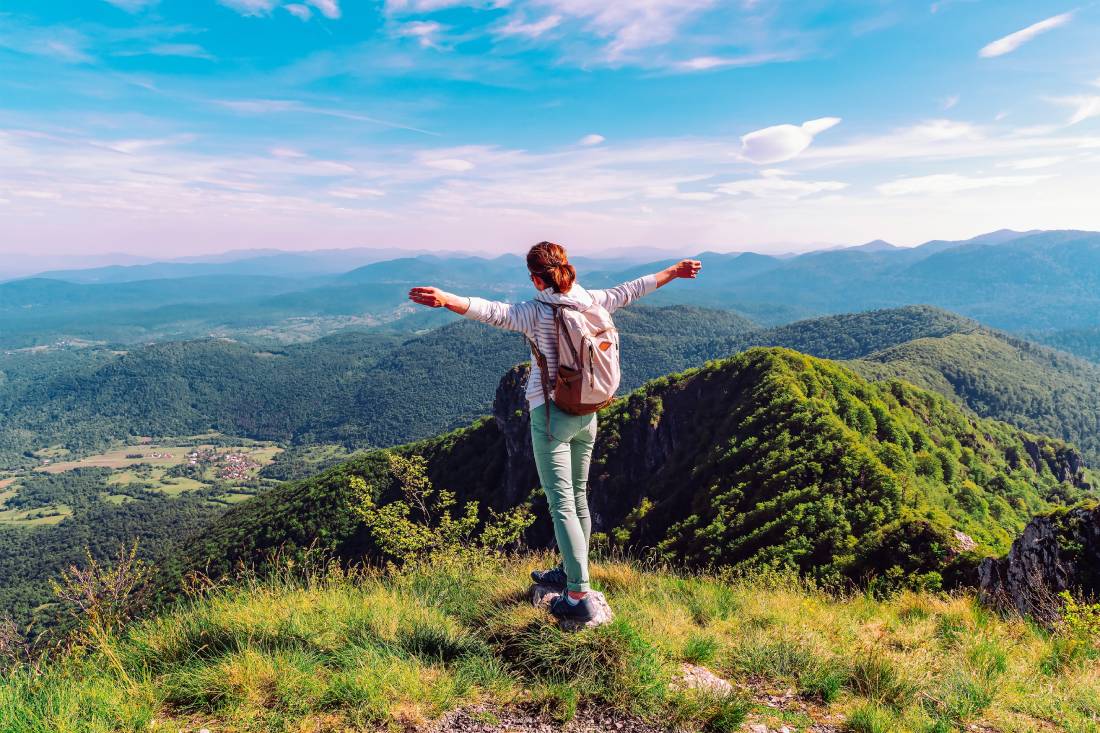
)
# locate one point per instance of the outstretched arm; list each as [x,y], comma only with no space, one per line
[684,268]
[436,298]
[518,317]
[623,295]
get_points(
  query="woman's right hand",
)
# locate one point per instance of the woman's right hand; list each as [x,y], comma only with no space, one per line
[431,297]
[436,298]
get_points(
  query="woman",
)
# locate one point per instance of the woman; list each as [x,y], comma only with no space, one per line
[562,457]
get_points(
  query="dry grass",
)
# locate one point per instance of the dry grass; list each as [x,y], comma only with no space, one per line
[363,649]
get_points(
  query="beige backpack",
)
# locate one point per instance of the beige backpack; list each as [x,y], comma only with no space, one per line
[588,360]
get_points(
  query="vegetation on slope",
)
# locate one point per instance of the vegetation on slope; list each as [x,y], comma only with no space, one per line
[1030,386]
[334,650]
[357,389]
[768,458]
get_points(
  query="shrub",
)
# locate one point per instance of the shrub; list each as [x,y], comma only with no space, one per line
[877,678]
[700,649]
[419,526]
[871,719]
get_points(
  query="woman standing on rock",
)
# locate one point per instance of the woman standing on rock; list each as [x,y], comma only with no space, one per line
[563,400]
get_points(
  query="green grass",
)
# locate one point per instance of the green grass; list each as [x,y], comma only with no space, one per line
[332,649]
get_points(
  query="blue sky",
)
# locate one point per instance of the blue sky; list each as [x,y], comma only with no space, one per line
[188,126]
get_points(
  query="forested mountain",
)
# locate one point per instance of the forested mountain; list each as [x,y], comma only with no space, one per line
[768,458]
[1033,281]
[377,389]
[1084,342]
[1016,281]
[1030,386]
[358,389]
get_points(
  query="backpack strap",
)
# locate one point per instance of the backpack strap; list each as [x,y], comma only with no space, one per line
[544,369]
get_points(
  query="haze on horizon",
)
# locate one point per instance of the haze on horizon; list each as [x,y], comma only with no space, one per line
[169,128]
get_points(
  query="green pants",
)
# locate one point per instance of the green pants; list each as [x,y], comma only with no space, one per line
[562,464]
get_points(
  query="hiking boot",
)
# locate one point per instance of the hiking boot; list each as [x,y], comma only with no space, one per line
[554,578]
[583,611]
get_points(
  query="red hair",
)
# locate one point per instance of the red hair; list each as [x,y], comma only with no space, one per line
[550,263]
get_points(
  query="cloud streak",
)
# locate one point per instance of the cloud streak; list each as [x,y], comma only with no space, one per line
[1013,41]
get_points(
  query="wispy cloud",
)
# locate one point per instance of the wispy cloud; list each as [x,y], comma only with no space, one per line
[630,26]
[947,183]
[299,11]
[132,6]
[950,102]
[771,184]
[250,7]
[454,165]
[1028,164]
[783,142]
[424,31]
[706,63]
[189,50]
[1013,41]
[1085,107]
[269,106]
[518,26]
[589,140]
[58,43]
[328,8]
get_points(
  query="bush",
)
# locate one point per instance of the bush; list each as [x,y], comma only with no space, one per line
[419,526]
[877,678]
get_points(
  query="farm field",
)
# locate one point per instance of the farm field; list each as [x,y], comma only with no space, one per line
[158,455]
[227,470]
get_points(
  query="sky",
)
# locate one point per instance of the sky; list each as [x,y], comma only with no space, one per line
[183,127]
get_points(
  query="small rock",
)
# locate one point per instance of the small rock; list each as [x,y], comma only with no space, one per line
[543,595]
[758,728]
[785,729]
[694,677]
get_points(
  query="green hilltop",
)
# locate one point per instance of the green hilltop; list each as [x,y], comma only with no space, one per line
[769,458]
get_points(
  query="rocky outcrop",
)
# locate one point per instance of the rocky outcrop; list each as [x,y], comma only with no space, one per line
[1066,463]
[1057,552]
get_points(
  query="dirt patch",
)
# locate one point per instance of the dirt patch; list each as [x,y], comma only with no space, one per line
[518,720]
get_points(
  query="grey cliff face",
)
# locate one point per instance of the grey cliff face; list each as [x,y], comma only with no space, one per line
[1055,553]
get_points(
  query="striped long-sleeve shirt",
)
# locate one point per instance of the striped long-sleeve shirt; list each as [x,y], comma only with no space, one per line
[535,319]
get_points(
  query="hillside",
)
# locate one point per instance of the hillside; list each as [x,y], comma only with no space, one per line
[768,458]
[1030,386]
[1084,342]
[459,644]
[359,389]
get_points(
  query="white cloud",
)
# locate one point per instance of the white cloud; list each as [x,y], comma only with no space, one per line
[517,27]
[629,26]
[1013,41]
[946,183]
[328,8]
[290,106]
[250,7]
[132,6]
[783,142]
[592,139]
[299,11]
[950,102]
[1085,107]
[349,192]
[188,50]
[429,6]
[454,165]
[288,153]
[1028,164]
[706,63]
[773,184]
[424,31]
